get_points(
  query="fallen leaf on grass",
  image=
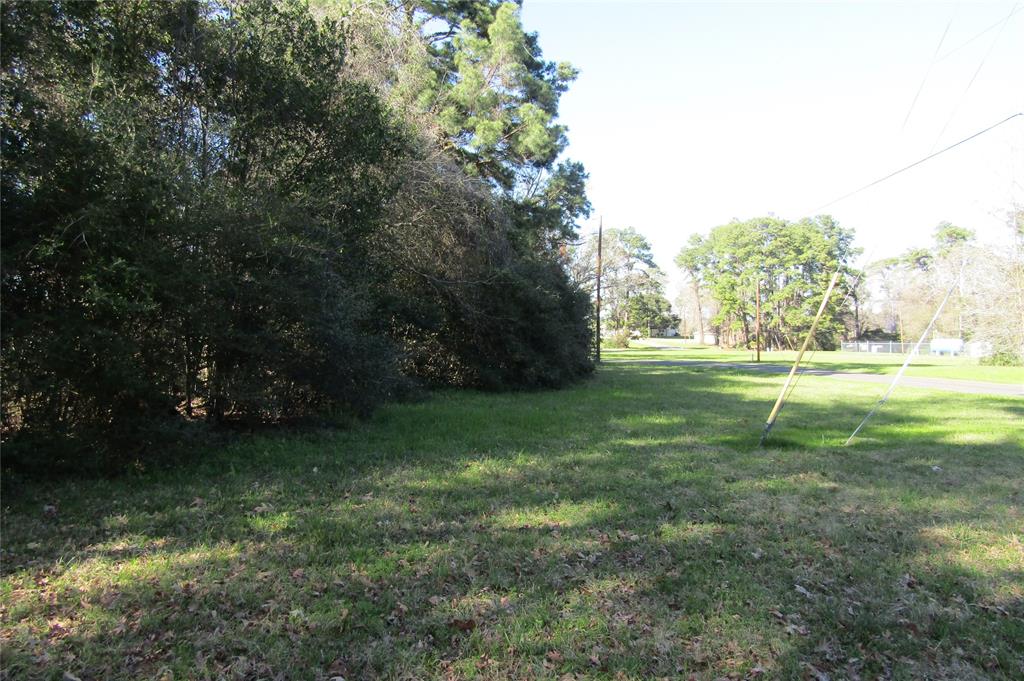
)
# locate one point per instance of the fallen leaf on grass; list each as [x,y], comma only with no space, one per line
[463,625]
[338,669]
[909,581]
[993,608]
[802,591]
[910,626]
[812,672]
[57,631]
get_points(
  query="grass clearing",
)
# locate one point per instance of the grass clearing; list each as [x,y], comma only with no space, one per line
[625,528]
[960,368]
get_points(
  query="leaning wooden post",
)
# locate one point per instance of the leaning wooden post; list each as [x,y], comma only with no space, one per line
[792,372]
[600,228]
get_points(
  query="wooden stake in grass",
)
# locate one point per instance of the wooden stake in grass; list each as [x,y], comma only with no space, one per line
[792,372]
[600,229]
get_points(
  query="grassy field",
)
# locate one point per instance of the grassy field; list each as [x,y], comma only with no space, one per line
[625,528]
[962,368]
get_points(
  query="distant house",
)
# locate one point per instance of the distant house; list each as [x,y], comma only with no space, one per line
[946,346]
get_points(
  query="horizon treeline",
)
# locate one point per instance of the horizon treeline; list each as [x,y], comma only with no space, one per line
[226,212]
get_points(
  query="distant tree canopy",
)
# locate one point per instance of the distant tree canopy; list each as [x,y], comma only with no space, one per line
[987,283]
[255,211]
[793,262]
[948,236]
[632,287]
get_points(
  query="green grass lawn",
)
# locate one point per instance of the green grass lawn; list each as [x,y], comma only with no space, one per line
[962,368]
[624,528]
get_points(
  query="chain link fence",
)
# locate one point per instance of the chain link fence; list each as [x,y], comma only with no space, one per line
[888,347]
[951,347]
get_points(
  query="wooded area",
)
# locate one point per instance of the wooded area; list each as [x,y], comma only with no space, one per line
[249,212]
[787,263]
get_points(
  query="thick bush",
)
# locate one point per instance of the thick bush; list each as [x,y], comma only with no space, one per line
[187,200]
[1003,359]
[208,220]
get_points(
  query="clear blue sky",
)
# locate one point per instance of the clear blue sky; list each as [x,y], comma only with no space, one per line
[689,114]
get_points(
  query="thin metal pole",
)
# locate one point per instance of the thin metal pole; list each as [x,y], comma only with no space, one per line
[757,321]
[792,372]
[600,230]
[906,362]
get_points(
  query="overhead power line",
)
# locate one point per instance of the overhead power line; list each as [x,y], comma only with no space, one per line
[984,59]
[979,34]
[924,80]
[919,162]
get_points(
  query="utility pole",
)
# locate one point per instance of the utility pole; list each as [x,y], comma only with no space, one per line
[757,321]
[960,294]
[600,230]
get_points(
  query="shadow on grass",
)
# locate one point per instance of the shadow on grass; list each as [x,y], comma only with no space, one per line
[630,526]
[826,362]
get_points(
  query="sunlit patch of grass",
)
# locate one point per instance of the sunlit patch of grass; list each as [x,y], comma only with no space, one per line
[553,517]
[271,523]
[691,532]
[928,366]
[993,560]
[625,527]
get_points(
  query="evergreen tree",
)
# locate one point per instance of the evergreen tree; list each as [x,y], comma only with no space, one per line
[793,262]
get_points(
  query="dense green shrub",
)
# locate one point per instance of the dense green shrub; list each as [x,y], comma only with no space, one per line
[618,338]
[187,199]
[524,328]
[207,219]
[470,305]
[1003,359]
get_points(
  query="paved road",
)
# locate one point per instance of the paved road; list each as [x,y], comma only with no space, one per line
[948,384]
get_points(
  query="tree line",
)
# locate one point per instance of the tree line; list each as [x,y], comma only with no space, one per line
[219,212]
[633,298]
[789,263]
[899,295]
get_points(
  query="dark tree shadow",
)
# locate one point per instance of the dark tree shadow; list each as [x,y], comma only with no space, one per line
[628,527]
